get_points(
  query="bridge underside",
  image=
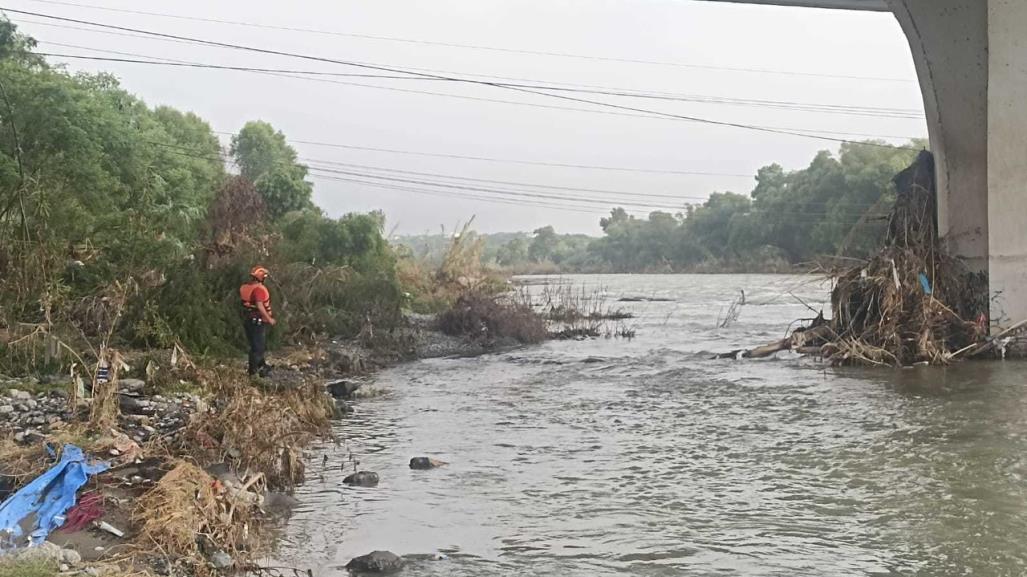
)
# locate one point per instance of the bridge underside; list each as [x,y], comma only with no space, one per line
[876,5]
[971,60]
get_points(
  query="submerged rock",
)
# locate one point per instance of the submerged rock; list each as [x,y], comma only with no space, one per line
[376,562]
[362,479]
[280,504]
[342,408]
[423,463]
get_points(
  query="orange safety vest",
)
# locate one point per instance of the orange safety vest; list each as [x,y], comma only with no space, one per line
[252,293]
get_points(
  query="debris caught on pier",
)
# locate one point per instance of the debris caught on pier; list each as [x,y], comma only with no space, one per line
[911,303]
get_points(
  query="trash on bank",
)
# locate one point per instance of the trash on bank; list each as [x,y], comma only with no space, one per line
[105,526]
[88,509]
[45,500]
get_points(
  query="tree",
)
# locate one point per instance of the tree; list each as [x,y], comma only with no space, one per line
[544,244]
[617,216]
[513,253]
[264,157]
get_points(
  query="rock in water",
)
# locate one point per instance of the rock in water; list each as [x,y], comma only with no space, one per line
[342,389]
[279,503]
[376,562]
[423,463]
[362,479]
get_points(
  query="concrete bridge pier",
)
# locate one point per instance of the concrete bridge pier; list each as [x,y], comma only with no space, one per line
[971,58]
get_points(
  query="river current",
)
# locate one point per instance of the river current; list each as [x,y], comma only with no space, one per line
[647,457]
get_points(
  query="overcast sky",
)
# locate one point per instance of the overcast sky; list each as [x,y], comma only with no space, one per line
[694,48]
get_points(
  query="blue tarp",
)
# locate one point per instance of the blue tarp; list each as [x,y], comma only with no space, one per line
[39,507]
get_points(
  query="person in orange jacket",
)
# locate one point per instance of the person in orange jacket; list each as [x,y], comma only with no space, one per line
[256,307]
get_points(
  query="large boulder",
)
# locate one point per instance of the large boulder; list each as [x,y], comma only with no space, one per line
[362,479]
[376,562]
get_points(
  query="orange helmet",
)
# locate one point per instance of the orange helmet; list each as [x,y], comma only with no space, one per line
[260,273]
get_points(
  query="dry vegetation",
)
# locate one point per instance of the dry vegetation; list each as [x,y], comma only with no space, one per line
[492,318]
[438,286]
[911,303]
[185,518]
[187,515]
[260,432]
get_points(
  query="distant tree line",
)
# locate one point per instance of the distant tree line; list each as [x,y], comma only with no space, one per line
[836,206]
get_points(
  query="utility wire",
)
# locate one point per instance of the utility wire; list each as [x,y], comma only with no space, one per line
[522,198]
[476,47]
[310,164]
[876,112]
[811,133]
[781,219]
[508,160]
[453,78]
[608,203]
[419,69]
[502,192]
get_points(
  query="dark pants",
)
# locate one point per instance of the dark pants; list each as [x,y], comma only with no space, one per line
[256,334]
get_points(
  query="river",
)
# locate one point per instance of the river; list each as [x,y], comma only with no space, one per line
[647,457]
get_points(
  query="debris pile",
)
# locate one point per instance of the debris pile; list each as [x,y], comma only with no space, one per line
[191,481]
[911,303]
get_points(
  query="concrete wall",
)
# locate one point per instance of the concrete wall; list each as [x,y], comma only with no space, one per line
[949,43]
[1007,159]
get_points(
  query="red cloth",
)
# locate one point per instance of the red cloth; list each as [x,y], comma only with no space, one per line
[88,509]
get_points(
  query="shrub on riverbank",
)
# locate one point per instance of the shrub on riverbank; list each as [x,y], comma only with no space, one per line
[114,193]
[490,318]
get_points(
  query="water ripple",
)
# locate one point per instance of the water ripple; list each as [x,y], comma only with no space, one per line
[648,458]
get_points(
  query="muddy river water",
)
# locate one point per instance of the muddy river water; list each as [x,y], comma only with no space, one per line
[646,457]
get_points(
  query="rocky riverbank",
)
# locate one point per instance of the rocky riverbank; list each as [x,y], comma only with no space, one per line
[193,451]
[32,416]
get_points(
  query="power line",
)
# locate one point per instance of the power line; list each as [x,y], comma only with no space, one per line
[530,199]
[810,133]
[504,182]
[655,115]
[572,204]
[188,151]
[466,196]
[797,219]
[452,78]
[219,66]
[509,160]
[644,195]
[878,112]
[502,192]
[477,47]
[422,69]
